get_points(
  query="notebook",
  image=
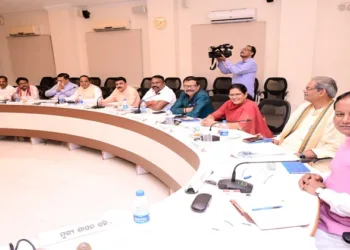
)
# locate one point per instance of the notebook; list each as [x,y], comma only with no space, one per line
[276,215]
[295,167]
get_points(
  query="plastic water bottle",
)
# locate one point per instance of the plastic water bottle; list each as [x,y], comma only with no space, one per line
[60,99]
[143,107]
[80,100]
[17,98]
[125,104]
[141,208]
[169,117]
[224,130]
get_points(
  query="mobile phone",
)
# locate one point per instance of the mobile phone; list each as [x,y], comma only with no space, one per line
[253,139]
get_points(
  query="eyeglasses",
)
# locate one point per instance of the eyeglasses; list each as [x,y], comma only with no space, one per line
[189,86]
[234,95]
[309,89]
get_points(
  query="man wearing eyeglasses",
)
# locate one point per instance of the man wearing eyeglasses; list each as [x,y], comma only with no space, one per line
[63,87]
[244,71]
[193,101]
[310,131]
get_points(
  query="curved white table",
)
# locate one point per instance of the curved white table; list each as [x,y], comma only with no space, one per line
[169,153]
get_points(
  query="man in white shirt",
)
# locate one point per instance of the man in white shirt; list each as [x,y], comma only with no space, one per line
[26,91]
[159,97]
[6,91]
[87,91]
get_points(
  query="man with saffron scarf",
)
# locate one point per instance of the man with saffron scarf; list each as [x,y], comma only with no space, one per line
[239,108]
[25,90]
[310,132]
[334,191]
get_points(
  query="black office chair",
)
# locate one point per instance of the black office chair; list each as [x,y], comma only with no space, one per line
[275,88]
[218,100]
[46,83]
[276,113]
[144,86]
[108,86]
[75,80]
[346,237]
[256,89]
[203,82]
[174,83]
[96,81]
[221,85]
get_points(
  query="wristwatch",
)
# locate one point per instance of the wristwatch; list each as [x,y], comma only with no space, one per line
[318,191]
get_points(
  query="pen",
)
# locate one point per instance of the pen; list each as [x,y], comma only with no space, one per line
[266,208]
[247,177]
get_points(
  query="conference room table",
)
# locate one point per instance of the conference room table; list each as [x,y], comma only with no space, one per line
[173,155]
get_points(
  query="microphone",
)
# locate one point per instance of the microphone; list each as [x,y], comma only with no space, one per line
[245,120]
[98,106]
[138,110]
[243,186]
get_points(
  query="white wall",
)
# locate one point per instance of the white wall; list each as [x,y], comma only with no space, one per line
[322,47]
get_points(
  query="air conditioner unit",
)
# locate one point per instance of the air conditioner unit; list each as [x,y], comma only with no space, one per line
[115,26]
[20,31]
[232,16]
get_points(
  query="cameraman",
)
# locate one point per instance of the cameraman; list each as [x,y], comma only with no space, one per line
[244,71]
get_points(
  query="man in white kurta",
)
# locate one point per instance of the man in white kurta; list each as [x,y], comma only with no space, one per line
[310,132]
[6,91]
[87,91]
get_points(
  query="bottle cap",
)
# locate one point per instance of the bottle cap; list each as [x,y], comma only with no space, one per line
[140,193]
[224,121]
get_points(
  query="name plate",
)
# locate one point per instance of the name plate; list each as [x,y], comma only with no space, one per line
[72,232]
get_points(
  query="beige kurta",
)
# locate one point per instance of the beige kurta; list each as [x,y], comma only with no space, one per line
[327,142]
[130,94]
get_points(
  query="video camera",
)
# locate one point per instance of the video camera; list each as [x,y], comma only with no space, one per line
[221,50]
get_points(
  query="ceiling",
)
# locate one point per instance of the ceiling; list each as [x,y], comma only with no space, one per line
[7,6]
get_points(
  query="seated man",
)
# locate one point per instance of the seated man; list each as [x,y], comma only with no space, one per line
[25,90]
[63,87]
[310,132]
[334,192]
[160,96]
[240,113]
[6,91]
[121,92]
[194,101]
[87,91]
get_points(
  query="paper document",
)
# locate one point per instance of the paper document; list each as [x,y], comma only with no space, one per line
[258,150]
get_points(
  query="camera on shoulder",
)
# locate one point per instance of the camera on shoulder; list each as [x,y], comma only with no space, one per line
[221,50]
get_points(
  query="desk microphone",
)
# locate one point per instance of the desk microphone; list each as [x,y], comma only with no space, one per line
[98,106]
[245,120]
[138,110]
[243,186]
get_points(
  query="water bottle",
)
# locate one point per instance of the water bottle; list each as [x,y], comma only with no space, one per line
[60,99]
[80,100]
[224,130]
[141,208]
[17,98]
[143,107]
[125,104]
[169,117]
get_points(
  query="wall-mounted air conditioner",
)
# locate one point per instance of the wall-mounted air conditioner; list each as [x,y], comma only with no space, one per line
[21,31]
[112,26]
[232,16]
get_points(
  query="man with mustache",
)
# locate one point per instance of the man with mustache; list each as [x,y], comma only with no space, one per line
[159,97]
[310,131]
[193,102]
[26,90]
[6,91]
[121,92]
[87,91]
[244,71]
